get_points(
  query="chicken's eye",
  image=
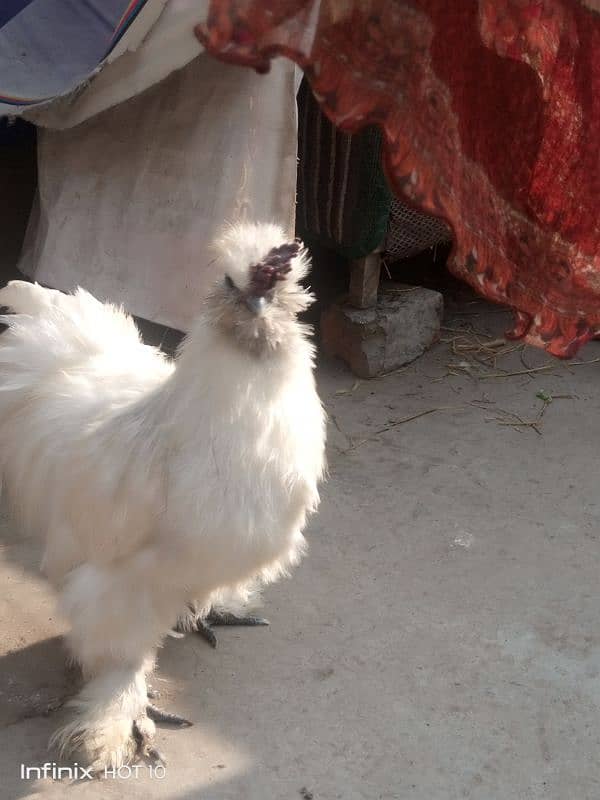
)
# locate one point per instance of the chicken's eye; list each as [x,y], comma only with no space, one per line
[229,283]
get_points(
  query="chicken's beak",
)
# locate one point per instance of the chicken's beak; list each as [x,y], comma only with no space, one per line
[256,304]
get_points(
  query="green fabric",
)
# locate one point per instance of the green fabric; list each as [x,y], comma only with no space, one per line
[344,199]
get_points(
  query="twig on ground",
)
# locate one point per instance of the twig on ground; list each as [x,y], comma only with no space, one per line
[517,372]
[520,424]
[517,422]
[348,438]
[582,363]
[408,419]
[540,369]
[351,390]
[396,423]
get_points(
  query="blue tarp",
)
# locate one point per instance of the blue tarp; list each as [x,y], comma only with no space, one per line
[49,47]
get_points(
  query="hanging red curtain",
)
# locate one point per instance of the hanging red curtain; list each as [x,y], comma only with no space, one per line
[490,111]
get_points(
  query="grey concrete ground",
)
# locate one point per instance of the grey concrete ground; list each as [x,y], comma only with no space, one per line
[441,641]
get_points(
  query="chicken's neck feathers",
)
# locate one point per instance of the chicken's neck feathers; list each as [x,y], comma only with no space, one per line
[216,383]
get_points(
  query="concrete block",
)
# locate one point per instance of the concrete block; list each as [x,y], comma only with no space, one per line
[403,324]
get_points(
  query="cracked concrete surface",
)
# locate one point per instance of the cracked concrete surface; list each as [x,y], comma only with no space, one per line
[441,641]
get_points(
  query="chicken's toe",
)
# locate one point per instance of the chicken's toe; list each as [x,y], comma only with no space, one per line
[206,632]
[144,737]
[227,618]
[158,715]
[204,625]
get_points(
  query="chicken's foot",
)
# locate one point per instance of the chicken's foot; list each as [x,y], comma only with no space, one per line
[158,715]
[204,625]
[145,748]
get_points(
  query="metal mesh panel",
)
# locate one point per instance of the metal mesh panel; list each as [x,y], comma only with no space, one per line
[410,232]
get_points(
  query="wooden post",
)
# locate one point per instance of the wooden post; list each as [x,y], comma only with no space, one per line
[364,281]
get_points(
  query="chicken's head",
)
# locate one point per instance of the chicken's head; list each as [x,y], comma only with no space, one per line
[260,295]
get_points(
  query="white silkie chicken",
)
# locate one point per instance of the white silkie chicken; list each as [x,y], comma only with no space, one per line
[157,484]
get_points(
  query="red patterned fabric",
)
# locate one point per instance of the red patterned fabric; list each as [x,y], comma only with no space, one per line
[491,117]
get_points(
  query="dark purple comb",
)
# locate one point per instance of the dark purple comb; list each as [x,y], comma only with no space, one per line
[274,267]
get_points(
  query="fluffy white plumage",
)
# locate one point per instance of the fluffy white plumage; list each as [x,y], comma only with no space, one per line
[155,482]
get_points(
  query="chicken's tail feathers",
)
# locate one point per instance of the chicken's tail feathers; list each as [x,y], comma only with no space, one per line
[82,322]
[50,330]
[22,297]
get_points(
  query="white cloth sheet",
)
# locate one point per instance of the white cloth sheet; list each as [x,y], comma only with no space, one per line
[129,200]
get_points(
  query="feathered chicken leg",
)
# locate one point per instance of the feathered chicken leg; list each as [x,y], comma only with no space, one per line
[117,618]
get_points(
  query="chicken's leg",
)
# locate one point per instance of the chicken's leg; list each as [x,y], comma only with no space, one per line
[117,618]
